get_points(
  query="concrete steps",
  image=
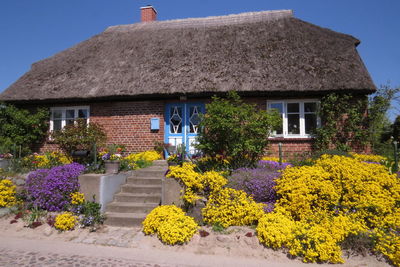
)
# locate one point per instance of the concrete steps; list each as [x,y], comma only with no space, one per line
[140,195]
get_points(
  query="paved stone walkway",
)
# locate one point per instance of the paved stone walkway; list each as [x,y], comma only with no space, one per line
[11,258]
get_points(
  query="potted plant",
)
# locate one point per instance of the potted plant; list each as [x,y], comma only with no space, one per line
[112,156]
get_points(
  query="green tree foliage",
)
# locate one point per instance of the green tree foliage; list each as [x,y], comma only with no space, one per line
[344,123]
[21,127]
[235,131]
[79,136]
[379,124]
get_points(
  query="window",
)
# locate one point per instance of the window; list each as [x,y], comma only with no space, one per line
[62,116]
[299,118]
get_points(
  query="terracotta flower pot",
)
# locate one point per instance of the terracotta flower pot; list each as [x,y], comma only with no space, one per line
[111,166]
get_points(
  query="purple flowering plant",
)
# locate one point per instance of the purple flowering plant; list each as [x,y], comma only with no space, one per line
[273,165]
[259,182]
[50,189]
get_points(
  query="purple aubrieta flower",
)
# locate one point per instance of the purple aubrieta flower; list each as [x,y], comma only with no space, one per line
[273,165]
[50,189]
[258,182]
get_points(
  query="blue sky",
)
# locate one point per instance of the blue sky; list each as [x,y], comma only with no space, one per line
[34,30]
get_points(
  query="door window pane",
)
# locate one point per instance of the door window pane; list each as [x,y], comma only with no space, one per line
[175,120]
[293,123]
[194,119]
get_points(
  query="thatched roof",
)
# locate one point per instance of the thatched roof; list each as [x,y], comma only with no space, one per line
[268,51]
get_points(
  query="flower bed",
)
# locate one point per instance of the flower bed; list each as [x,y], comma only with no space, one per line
[50,189]
[319,208]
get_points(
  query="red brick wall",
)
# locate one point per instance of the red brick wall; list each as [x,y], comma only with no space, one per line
[128,123]
[291,147]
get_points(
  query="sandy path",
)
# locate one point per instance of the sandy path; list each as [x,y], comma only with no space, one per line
[114,246]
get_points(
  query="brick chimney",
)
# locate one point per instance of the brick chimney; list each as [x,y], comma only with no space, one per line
[148,13]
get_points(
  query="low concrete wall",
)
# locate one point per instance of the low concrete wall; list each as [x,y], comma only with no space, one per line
[102,186]
[171,192]
[4,164]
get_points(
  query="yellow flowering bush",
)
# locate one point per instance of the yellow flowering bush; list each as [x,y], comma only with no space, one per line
[314,239]
[157,216]
[318,240]
[337,183]
[387,236]
[195,183]
[305,190]
[189,196]
[214,180]
[367,190]
[276,159]
[388,243]
[275,230]
[65,221]
[47,160]
[368,157]
[187,175]
[338,196]
[147,156]
[170,224]
[7,193]
[229,207]
[77,198]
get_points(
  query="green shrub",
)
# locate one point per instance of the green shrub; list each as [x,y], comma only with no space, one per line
[80,136]
[235,131]
[21,128]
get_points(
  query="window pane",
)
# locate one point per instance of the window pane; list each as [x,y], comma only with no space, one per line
[277,106]
[310,107]
[194,119]
[68,122]
[56,125]
[293,123]
[57,114]
[311,122]
[293,108]
[82,113]
[70,114]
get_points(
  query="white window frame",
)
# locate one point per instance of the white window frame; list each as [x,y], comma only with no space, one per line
[301,102]
[64,117]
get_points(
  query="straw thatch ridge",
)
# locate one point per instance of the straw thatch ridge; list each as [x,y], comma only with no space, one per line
[250,52]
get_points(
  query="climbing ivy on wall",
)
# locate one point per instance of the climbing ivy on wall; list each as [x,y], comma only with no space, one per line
[344,123]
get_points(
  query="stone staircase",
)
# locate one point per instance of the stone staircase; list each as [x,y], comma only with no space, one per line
[140,194]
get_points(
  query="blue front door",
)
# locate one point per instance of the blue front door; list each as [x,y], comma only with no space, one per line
[182,124]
